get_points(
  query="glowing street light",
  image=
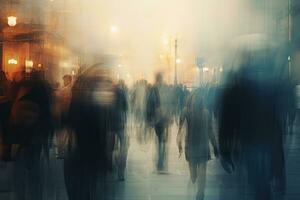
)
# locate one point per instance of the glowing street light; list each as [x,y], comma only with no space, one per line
[28,63]
[205,69]
[12,61]
[114,29]
[178,60]
[166,41]
[12,21]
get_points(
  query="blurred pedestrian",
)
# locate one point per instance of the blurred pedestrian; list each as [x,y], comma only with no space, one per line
[91,121]
[198,135]
[250,122]
[158,116]
[120,122]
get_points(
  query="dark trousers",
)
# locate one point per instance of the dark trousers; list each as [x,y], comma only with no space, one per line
[161,131]
[81,178]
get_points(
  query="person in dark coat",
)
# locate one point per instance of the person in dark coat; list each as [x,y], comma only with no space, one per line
[30,131]
[91,121]
[250,121]
[121,109]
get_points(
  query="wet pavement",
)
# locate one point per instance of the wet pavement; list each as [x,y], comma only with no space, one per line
[144,183]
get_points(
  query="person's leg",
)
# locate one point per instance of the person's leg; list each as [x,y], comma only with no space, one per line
[19,179]
[89,182]
[159,134]
[260,183]
[292,117]
[201,180]
[72,174]
[122,154]
[193,171]
[263,191]
[164,144]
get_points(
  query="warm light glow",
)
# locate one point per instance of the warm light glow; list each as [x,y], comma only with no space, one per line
[29,63]
[119,65]
[73,73]
[12,20]
[12,61]
[178,60]
[166,42]
[205,69]
[114,29]
[39,65]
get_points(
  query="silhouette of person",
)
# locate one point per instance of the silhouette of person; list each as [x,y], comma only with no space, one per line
[91,121]
[250,123]
[31,129]
[121,109]
[199,134]
[158,116]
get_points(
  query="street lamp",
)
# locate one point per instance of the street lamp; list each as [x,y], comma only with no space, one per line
[114,29]
[12,61]
[12,20]
[29,63]
[28,66]
[205,69]
[178,60]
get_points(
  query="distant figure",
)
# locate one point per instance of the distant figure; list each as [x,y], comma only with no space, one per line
[250,121]
[138,103]
[62,104]
[158,116]
[121,109]
[199,134]
[4,86]
[18,77]
[64,95]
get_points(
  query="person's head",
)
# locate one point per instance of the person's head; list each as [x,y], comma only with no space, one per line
[158,78]
[67,80]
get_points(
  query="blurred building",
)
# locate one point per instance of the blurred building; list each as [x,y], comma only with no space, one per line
[32,38]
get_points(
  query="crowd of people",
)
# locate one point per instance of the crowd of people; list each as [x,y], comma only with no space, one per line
[85,120]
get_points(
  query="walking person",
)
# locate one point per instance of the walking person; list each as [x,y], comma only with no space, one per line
[120,113]
[30,130]
[89,156]
[198,136]
[158,116]
[250,124]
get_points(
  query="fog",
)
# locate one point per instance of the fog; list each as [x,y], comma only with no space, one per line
[202,28]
